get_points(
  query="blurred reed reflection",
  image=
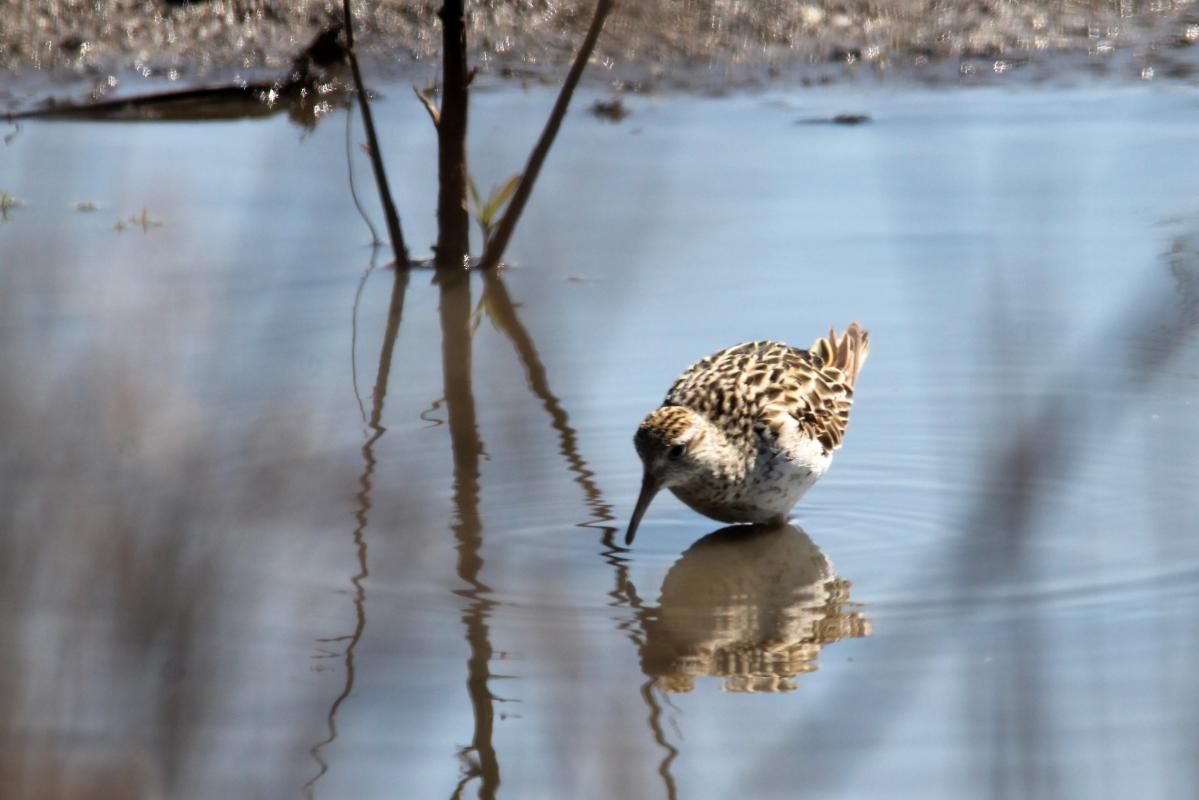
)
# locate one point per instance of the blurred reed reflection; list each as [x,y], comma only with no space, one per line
[753,605]
[1031,452]
[133,520]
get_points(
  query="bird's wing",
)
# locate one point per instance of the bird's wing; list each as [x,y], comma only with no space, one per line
[756,388]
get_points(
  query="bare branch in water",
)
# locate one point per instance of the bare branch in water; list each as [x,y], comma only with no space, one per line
[453,220]
[368,122]
[503,232]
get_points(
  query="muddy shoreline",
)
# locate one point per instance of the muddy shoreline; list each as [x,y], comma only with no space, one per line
[117,46]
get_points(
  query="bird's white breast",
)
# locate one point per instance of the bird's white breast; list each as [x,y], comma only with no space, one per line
[781,475]
[766,485]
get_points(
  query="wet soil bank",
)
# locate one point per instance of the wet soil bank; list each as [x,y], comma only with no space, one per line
[694,44]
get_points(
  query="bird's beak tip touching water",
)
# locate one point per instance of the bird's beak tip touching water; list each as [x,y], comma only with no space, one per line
[649,488]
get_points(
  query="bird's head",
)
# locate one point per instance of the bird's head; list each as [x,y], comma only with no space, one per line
[671,441]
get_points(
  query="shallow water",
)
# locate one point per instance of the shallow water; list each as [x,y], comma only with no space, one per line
[257,544]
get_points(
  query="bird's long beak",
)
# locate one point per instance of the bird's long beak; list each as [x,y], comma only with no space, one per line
[649,488]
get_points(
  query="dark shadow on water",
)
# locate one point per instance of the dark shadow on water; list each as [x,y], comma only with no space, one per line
[302,105]
[307,91]
[752,605]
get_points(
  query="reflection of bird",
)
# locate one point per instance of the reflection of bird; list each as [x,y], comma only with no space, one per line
[754,605]
[745,432]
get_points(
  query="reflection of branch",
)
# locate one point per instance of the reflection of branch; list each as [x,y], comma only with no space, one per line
[624,595]
[368,122]
[468,529]
[361,517]
[503,232]
[394,312]
[354,331]
[655,726]
[503,313]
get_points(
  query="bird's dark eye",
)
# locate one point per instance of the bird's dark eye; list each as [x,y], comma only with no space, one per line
[675,451]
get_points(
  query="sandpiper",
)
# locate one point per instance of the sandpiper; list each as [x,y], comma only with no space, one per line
[746,431]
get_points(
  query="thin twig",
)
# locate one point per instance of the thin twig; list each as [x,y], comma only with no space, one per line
[368,122]
[375,240]
[434,114]
[503,232]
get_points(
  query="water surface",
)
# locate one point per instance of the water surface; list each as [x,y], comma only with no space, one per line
[278,522]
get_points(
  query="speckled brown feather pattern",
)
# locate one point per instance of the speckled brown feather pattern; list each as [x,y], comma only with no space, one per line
[753,388]
[745,432]
[668,426]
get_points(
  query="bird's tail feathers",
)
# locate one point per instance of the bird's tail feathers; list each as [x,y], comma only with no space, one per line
[847,353]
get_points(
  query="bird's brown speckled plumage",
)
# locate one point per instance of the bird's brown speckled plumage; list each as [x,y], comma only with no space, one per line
[752,388]
[758,423]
